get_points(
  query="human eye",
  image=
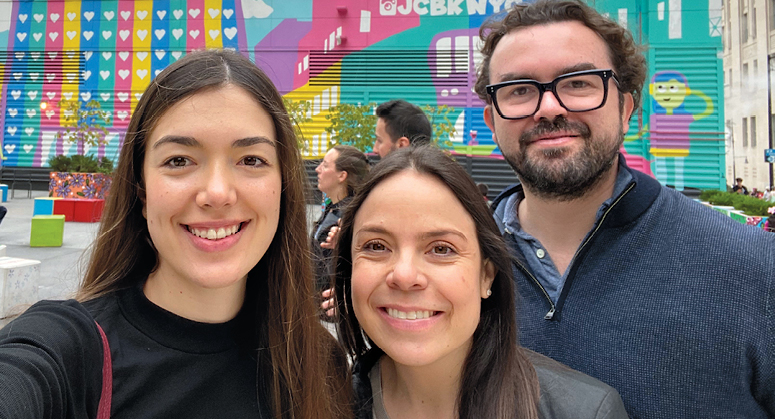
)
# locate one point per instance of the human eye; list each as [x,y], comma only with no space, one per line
[374,246]
[253,161]
[520,90]
[177,162]
[442,249]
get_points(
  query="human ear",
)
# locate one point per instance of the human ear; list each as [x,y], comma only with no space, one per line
[627,108]
[488,276]
[489,120]
[403,142]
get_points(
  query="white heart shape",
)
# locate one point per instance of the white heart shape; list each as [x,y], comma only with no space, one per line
[50,77]
[142,34]
[105,96]
[177,33]
[138,96]
[123,55]
[51,95]
[156,73]
[141,73]
[22,18]
[9,148]
[38,17]
[88,15]
[37,36]
[29,130]
[107,34]
[122,115]
[32,94]
[13,112]
[142,55]
[17,76]
[122,96]
[86,96]
[34,76]
[53,35]
[28,147]
[178,14]
[161,14]
[159,33]
[16,93]
[70,76]
[35,56]
[22,36]
[214,33]
[126,14]
[86,74]
[19,55]
[104,74]
[68,95]
[49,114]
[87,55]
[109,15]
[52,55]
[124,34]
[194,33]
[123,74]
[70,54]
[193,12]
[54,17]
[227,13]
[213,13]
[142,14]
[107,55]
[160,53]
[12,131]
[177,54]
[71,16]
[87,35]
[31,113]
[71,34]
[230,32]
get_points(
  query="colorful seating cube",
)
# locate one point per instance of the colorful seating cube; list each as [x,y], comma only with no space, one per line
[19,280]
[66,207]
[88,210]
[43,206]
[47,230]
[4,190]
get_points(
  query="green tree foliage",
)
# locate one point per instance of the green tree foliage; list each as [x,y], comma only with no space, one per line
[355,124]
[298,111]
[85,125]
[352,125]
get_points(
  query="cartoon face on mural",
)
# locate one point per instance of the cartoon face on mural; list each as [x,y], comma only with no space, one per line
[669,89]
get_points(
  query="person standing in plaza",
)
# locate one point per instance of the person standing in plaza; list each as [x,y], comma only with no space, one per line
[669,302]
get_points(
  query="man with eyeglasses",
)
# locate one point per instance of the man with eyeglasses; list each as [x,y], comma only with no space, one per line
[667,301]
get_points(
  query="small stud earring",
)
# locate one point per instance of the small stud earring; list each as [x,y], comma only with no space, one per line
[489,293]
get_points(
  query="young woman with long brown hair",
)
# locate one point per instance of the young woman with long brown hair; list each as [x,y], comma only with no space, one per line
[426,303]
[199,276]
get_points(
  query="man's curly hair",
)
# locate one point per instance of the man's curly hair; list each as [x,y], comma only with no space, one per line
[629,64]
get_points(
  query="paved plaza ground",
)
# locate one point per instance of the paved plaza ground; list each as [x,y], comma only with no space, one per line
[61,267]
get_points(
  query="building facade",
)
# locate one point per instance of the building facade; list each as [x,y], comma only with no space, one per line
[344,51]
[749,47]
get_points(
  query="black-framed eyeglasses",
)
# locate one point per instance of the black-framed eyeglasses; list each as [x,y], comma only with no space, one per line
[579,91]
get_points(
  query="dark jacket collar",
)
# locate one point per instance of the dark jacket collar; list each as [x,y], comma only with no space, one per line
[639,197]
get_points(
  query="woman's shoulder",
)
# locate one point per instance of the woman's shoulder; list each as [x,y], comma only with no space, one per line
[567,393]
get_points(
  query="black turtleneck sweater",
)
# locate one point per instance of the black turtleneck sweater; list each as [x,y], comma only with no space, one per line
[164,366]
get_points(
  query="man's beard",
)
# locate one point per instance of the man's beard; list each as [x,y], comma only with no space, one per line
[556,173]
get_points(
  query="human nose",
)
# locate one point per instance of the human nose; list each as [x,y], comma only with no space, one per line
[549,107]
[218,188]
[318,168]
[405,276]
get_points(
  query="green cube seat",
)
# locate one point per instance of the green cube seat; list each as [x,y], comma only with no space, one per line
[47,230]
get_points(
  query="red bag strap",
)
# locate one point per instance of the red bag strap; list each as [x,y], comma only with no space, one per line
[103,411]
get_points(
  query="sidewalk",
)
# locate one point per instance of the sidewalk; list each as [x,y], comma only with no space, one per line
[61,267]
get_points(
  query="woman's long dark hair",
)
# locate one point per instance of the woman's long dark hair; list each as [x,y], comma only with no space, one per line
[302,370]
[498,381]
[355,163]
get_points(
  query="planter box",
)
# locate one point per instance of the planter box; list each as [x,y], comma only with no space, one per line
[78,185]
[19,280]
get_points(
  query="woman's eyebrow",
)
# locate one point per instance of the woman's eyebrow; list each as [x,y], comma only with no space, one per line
[250,141]
[192,142]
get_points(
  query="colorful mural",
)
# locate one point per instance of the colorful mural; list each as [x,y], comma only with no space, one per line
[325,52]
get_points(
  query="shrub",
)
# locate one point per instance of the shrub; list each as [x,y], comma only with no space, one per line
[81,164]
[747,204]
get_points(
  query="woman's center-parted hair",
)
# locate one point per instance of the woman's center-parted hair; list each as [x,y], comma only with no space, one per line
[509,381]
[298,360]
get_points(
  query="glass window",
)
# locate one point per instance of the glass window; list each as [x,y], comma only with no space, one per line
[753,131]
[745,132]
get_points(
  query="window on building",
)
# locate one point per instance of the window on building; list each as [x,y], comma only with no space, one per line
[753,131]
[755,80]
[745,81]
[772,15]
[745,132]
[753,23]
[744,27]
